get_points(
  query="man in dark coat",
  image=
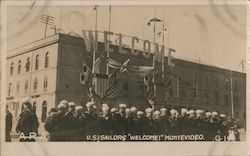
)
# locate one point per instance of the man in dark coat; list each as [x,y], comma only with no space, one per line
[182,122]
[164,120]
[149,122]
[8,125]
[57,123]
[121,120]
[27,123]
[50,124]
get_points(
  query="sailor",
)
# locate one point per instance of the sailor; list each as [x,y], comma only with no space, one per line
[158,128]
[149,123]
[105,122]
[182,122]
[121,120]
[191,122]
[79,115]
[164,120]
[173,122]
[91,119]
[140,123]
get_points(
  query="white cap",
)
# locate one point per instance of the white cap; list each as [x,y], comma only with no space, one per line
[208,113]
[157,112]
[214,113]
[191,111]
[105,105]
[127,110]
[201,111]
[163,109]
[90,104]
[113,110]
[78,108]
[198,111]
[184,110]
[173,111]
[222,115]
[72,104]
[148,110]
[62,105]
[133,109]
[140,113]
[122,105]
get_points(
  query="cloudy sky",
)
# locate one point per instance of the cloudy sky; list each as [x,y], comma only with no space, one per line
[214,35]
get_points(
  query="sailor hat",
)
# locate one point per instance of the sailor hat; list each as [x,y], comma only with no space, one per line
[122,105]
[90,104]
[113,110]
[133,109]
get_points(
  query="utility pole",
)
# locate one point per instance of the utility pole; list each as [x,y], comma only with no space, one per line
[47,20]
[232,94]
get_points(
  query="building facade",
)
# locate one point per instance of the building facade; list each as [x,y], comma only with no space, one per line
[48,71]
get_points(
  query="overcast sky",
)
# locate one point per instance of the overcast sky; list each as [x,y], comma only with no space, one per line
[215,35]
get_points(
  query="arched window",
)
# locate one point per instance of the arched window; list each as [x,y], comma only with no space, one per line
[9,89]
[226,100]
[194,79]
[44,111]
[45,84]
[46,60]
[34,106]
[37,62]
[125,88]
[26,85]
[206,98]
[35,85]
[17,88]
[11,68]
[206,80]
[19,67]
[27,65]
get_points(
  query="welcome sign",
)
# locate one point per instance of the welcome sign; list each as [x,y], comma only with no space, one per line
[158,51]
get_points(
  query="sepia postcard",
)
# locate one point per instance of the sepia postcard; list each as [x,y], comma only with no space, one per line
[125,77]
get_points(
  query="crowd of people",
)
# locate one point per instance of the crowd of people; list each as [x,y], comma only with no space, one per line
[71,122]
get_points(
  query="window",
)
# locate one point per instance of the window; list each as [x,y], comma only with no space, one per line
[226,99]
[19,67]
[206,98]
[17,88]
[37,62]
[216,82]
[216,97]
[11,68]
[194,80]
[9,89]
[26,85]
[125,88]
[227,84]
[235,101]
[46,60]
[44,111]
[235,85]
[183,93]
[35,85]
[45,84]
[206,80]
[141,90]
[27,65]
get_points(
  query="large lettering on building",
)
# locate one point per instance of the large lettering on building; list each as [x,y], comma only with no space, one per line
[158,51]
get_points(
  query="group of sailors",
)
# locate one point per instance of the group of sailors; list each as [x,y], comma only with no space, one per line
[71,122]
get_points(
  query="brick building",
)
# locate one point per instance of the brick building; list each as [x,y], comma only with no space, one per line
[48,71]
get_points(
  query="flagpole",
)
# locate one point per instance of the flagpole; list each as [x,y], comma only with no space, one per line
[94,50]
[163,59]
[154,59]
[107,68]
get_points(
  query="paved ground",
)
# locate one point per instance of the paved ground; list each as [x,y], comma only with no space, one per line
[15,136]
